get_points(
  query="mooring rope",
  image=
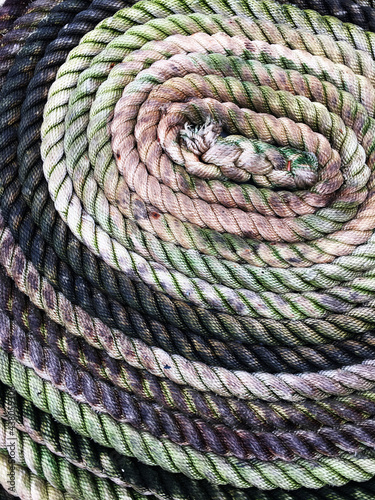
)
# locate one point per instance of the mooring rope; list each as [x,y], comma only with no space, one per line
[187,249]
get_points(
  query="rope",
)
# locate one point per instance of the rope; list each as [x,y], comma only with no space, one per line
[186,248]
[103,462]
[42,427]
[360,12]
[175,426]
[13,40]
[10,13]
[193,289]
[176,458]
[220,381]
[354,324]
[135,381]
[72,482]
[27,484]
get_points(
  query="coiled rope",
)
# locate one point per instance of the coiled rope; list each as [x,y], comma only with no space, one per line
[187,249]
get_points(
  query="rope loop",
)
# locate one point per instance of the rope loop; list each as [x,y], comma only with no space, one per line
[187,216]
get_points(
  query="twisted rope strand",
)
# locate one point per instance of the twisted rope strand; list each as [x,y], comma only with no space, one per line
[363,346]
[192,463]
[134,381]
[201,377]
[62,441]
[15,38]
[200,436]
[60,474]
[191,293]
[360,12]
[51,428]
[10,13]
[27,484]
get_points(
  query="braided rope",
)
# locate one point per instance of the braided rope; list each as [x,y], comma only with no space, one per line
[186,248]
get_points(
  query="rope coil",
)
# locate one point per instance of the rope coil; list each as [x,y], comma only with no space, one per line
[187,248]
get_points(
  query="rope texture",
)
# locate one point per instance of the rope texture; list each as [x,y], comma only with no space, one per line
[187,249]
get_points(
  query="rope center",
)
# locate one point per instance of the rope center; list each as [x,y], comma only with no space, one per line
[245,160]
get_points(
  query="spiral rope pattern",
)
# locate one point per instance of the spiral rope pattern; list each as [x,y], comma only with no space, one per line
[187,249]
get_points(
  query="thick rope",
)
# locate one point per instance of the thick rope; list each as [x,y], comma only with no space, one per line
[220,381]
[98,460]
[191,293]
[135,381]
[14,39]
[360,12]
[26,484]
[14,261]
[175,426]
[10,13]
[101,461]
[71,481]
[356,326]
[186,242]
[174,458]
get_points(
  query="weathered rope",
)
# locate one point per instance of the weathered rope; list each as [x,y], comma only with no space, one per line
[73,482]
[360,12]
[100,461]
[173,458]
[201,377]
[14,39]
[26,484]
[10,12]
[134,381]
[353,324]
[187,249]
[240,443]
[104,462]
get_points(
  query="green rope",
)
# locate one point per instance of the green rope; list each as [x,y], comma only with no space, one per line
[201,377]
[173,458]
[56,471]
[60,372]
[103,462]
[131,262]
[187,249]
[24,483]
